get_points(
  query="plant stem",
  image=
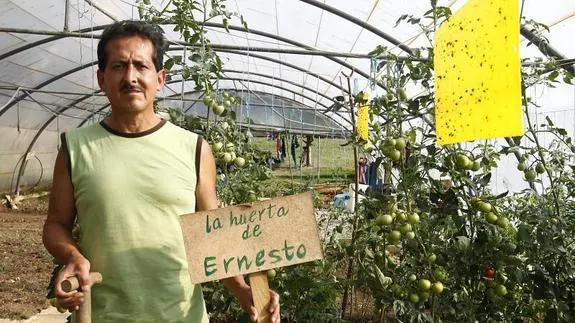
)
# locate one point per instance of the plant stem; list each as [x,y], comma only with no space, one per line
[541,157]
[356,196]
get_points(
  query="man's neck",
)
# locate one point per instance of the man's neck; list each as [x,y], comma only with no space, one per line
[129,123]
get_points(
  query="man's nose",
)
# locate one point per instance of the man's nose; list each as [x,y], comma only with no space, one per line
[131,74]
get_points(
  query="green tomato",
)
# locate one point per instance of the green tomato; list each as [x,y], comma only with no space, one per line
[389,142]
[384,219]
[438,274]
[271,273]
[540,169]
[437,287]
[432,258]
[413,218]
[239,162]
[395,155]
[412,277]
[476,166]
[230,147]
[414,298]
[503,222]
[491,217]
[410,235]
[207,100]
[484,207]
[394,236]
[219,109]
[463,162]
[424,296]
[424,284]
[521,167]
[217,147]
[401,216]
[405,228]
[400,143]
[227,158]
[530,175]
[500,290]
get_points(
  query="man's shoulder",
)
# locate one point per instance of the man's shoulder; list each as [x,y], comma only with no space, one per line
[83,131]
[179,131]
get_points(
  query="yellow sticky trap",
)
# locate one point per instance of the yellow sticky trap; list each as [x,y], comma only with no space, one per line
[478,75]
[362,123]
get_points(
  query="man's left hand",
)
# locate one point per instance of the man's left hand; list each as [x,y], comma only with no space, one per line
[273,306]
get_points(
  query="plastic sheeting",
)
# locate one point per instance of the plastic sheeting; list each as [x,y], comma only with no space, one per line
[66,65]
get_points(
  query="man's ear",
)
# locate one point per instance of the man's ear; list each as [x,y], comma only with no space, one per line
[101,83]
[161,78]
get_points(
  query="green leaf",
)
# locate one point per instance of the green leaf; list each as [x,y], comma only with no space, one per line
[553,75]
[226,24]
[384,281]
[377,51]
[169,64]
[195,38]
[186,73]
[243,22]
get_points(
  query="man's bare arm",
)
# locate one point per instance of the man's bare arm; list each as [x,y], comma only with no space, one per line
[57,235]
[206,199]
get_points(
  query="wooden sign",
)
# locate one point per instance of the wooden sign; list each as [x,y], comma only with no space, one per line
[249,238]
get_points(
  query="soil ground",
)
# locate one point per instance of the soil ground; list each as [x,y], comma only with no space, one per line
[25,265]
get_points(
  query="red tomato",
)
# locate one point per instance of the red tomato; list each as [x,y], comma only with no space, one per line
[489,272]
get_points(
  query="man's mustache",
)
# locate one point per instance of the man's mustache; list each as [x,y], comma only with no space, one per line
[126,88]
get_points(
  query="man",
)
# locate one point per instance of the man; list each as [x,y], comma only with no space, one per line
[125,182]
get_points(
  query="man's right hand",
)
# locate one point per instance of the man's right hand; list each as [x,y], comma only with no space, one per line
[78,267]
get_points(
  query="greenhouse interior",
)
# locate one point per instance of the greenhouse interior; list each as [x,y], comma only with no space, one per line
[432,138]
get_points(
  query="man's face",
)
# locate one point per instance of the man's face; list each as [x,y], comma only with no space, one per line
[130,79]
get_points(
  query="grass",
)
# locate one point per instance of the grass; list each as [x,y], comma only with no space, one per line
[331,162]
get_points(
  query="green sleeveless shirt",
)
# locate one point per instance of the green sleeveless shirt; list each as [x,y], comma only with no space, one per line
[130,190]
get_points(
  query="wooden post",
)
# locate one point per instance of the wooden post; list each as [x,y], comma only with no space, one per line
[84,313]
[261,295]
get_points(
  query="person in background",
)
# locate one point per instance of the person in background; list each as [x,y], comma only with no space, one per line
[293,147]
[124,182]
[362,163]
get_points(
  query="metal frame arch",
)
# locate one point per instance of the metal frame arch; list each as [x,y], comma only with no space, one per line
[363,24]
[48,81]
[214,25]
[278,95]
[267,76]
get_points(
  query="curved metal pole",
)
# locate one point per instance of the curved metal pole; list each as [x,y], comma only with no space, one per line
[41,85]
[360,23]
[273,78]
[284,98]
[214,25]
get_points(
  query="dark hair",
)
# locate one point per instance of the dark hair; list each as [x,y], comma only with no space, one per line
[128,28]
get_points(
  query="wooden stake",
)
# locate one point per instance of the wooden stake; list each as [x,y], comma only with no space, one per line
[84,313]
[261,295]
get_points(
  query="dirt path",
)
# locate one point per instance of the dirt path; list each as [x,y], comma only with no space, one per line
[25,265]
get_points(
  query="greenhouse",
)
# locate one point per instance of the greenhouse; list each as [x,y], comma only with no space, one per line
[435,137]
